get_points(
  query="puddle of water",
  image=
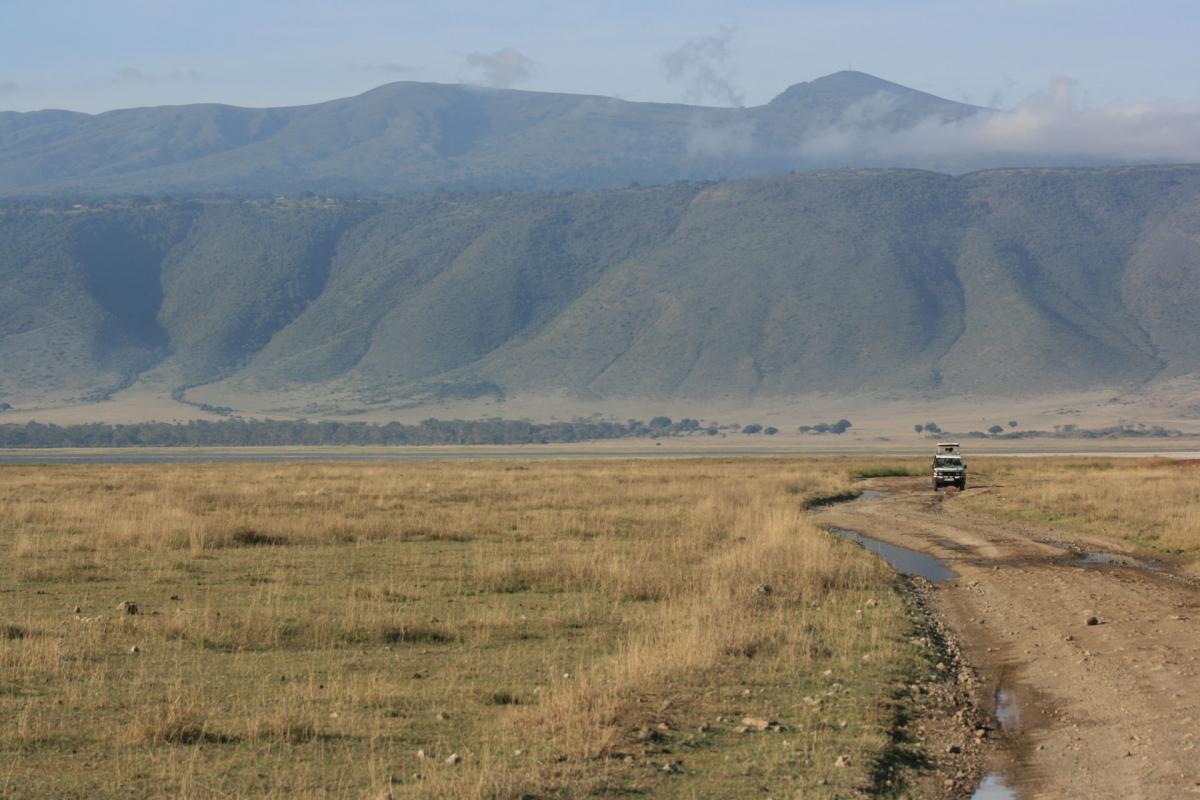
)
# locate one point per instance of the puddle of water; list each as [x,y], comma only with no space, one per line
[1104,559]
[1007,716]
[1108,560]
[993,787]
[869,494]
[908,562]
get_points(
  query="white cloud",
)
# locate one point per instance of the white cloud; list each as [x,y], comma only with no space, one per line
[702,66]
[502,69]
[133,75]
[1055,122]
[725,139]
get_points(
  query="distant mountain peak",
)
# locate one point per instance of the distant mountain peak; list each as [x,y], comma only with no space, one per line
[851,78]
[850,86]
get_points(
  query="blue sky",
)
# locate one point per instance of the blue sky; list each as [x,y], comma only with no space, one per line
[102,54]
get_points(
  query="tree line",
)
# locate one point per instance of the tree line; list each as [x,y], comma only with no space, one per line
[238,432]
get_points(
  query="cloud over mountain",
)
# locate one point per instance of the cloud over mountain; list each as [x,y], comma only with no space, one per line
[704,68]
[1051,125]
[502,69]
[410,137]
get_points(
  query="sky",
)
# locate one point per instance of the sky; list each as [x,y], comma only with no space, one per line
[96,55]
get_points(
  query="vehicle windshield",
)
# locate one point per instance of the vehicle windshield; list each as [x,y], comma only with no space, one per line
[947,461]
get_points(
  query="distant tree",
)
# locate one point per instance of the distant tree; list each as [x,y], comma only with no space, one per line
[805,428]
[933,427]
[5,407]
[1012,423]
[918,427]
[995,429]
[752,428]
[713,430]
[660,422]
[821,427]
[841,426]
[770,430]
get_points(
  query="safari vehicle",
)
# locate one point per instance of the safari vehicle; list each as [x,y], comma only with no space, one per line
[949,469]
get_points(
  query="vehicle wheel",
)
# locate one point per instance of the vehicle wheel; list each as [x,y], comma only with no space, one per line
[961,485]
[935,484]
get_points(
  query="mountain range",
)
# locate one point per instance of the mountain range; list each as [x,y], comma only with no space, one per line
[413,137]
[1000,283]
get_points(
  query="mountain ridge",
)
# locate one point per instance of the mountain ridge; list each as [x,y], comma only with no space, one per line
[408,136]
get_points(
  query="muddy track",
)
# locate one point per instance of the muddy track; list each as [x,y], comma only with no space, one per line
[1088,710]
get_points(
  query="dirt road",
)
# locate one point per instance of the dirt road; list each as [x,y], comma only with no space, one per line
[1090,710]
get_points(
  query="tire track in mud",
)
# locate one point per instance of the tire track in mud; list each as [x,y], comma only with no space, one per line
[1110,709]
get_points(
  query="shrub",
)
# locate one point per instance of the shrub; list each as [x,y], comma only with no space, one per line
[996,429]
[752,428]
[770,431]
[248,537]
[503,698]
[416,634]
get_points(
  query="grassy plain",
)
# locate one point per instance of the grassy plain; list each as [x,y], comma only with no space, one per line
[468,629]
[1144,503]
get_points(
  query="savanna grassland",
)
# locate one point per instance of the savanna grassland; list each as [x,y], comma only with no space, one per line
[467,629]
[1145,503]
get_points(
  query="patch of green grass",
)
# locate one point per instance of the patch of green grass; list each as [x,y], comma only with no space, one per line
[887,471]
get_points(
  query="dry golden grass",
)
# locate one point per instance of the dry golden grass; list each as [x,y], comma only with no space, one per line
[566,628]
[1149,503]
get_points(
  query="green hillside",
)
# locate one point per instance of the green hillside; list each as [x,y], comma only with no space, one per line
[997,283]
